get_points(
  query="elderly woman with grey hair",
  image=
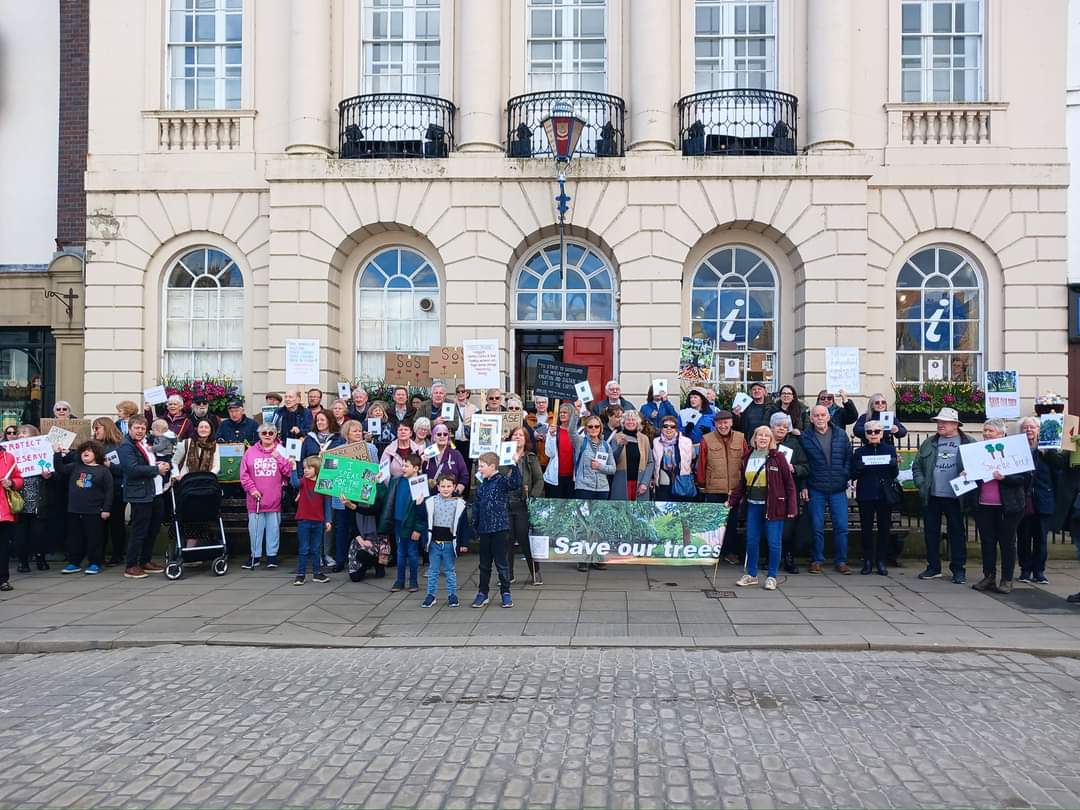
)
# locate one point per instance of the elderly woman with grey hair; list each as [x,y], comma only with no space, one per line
[1001,503]
[61,409]
[1041,506]
[874,467]
[796,532]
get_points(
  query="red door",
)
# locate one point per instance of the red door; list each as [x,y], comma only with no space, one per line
[595,349]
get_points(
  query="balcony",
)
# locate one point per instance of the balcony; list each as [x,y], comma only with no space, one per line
[944,123]
[604,117]
[395,125]
[738,122]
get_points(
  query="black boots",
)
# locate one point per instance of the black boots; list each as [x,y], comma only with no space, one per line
[789,564]
[867,567]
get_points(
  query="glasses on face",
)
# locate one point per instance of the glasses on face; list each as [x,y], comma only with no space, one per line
[873,433]
[667,426]
[592,427]
[267,433]
[827,398]
[880,402]
[60,409]
[494,399]
[514,408]
[9,432]
[441,434]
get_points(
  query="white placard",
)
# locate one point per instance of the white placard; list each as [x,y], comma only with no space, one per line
[418,487]
[1009,454]
[731,368]
[886,419]
[268,414]
[481,358]
[112,457]
[905,475]
[33,454]
[1002,394]
[292,448]
[384,471]
[842,369]
[659,387]
[689,416]
[374,427]
[741,400]
[155,396]
[876,460]
[787,452]
[301,362]
[64,438]
[584,391]
[431,451]
[1051,429]
[601,457]
[962,484]
[506,453]
[539,546]
[486,434]
[448,411]
[344,391]
[935,369]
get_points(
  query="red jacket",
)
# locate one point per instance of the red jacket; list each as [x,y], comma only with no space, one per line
[780,499]
[7,462]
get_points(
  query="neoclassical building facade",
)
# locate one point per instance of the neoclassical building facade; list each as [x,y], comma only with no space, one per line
[778,176]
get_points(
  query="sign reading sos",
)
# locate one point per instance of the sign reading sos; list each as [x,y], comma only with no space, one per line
[407,369]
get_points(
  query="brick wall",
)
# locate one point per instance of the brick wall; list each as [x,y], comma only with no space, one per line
[74,103]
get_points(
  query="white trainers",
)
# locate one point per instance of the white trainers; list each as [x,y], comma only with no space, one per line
[746,581]
[770,583]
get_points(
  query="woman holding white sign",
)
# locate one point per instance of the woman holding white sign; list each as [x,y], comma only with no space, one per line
[559,446]
[877,408]
[1000,507]
[875,469]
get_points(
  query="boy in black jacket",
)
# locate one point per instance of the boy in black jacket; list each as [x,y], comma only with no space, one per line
[90,497]
[491,518]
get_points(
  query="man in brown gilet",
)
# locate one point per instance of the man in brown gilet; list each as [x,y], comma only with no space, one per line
[719,466]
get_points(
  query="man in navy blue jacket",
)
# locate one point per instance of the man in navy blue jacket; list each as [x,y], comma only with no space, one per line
[829,451]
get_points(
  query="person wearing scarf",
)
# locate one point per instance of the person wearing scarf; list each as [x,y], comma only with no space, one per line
[323,432]
[633,460]
[198,452]
[673,455]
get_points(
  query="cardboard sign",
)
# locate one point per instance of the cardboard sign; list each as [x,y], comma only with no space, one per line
[407,369]
[301,362]
[347,478]
[511,420]
[418,487]
[558,380]
[1002,395]
[80,427]
[583,391]
[481,360]
[356,450]
[1070,433]
[33,454]
[62,437]
[1009,454]
[1051,430]
[229,457]
[842,369]
[344,391]
[156,395]
[962,484]
[447,362]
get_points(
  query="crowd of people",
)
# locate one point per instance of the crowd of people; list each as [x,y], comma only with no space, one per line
[779,465]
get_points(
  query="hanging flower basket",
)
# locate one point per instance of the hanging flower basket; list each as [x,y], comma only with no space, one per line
[217,390]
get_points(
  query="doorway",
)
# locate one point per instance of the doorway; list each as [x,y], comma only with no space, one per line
[592,348]
[27,370]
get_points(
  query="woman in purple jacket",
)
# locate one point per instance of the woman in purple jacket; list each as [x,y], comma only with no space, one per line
[448,460]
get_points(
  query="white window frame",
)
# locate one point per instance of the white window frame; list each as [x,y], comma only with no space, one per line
[945,354]
[923,63]
[565,71]
[220,349]
[220,10]
[732,68]
[726,270]
[408,77]
[563,291]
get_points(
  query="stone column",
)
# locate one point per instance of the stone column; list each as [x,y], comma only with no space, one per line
[309,77]
[652,75]
[479,70]
[829,74]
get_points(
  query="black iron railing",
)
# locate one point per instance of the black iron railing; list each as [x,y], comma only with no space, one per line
[604,117]
[395,125]
[738,122]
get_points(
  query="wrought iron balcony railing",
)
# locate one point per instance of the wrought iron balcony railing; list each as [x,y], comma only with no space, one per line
[395,125]
[604,117]
[738,122]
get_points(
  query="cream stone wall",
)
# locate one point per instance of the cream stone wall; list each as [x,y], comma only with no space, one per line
[836,223]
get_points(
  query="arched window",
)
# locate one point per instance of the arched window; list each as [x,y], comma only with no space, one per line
[397,308]
[204,316]
[733,302]
[584,293]
[939,311]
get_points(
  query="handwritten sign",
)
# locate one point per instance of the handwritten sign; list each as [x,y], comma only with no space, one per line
[33,454]
[447,362]
[481,359]
[1002,394]
[80,427]
[1070,433]
[155,396]
[1009,454]
[356,450]
[407,369]
[558,380]
[62,437]
[842,368]
[347,478]
[510,421]
[301,362]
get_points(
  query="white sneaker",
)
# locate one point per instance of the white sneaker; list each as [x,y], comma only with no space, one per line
[770,583]
[746,581]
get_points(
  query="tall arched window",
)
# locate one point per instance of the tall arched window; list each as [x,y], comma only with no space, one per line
[584,293]
[397,308]
[939,311]
[204,316]
[733,302]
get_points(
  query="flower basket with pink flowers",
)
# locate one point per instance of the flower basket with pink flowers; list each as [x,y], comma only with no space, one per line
[217,390]
[920,401]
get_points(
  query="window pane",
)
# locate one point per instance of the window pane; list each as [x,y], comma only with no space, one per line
[552,306]
[911,18]
[601,307]
[526,308]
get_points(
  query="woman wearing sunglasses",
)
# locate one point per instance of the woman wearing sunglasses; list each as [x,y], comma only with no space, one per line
[446,461]
[10,432]
[842,410]
[875,406]
[874,467]
[593,463]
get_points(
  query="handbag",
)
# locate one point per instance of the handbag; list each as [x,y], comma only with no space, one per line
[683,486]
[892,491]
[14,499]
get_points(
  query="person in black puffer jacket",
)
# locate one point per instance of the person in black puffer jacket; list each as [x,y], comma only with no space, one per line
[874,465]
[829,451]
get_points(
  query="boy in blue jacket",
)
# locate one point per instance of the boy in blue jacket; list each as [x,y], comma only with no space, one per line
[491,520]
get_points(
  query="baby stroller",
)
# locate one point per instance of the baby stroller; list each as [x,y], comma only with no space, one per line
[199,534]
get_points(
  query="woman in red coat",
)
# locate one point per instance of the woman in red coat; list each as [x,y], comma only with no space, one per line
[767,485]
[10,479]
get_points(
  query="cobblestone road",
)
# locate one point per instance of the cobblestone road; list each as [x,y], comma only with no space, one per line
[489,727]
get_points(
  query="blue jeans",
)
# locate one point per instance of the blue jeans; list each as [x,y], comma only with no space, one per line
[408,551]
[268,523]
[309,535]
[774,535]
[954,521]
[837,503]
[441,558]
[344,532]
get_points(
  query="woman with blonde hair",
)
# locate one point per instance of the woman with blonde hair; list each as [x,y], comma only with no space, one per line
[125,409]
[767,485]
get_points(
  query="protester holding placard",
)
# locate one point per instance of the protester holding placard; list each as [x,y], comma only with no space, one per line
[313,520]
[264,472]
[11,480]
[874,468]
[936,464]
[1001,504]
[877,407]
[796,532]
[433,408]
[175,417]
[380,433]
[840,415]
[633,460]
[593,462]
[559,446]
[788,403]
[1031,549]
[61,409]
[90,497]
[829,451]
[403,517]
[104,430]
[142,491]
[491,523]
[532,486]
[30,526]
[351,520]
[447,460]
[657,405]
[697,419]
[754,415]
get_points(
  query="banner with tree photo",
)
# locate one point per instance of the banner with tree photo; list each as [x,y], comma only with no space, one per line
[626,532]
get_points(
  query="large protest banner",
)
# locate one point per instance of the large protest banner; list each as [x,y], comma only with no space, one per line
[626,532]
